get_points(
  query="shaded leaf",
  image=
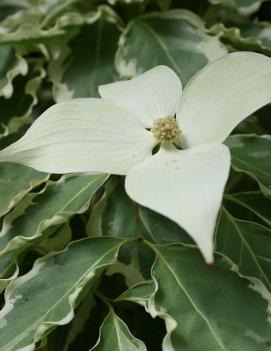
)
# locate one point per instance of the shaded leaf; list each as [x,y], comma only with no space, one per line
[115,335]
[251,154]
[255,202]
[77,325]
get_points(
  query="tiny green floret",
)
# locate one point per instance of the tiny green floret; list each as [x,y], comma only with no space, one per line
[166,130]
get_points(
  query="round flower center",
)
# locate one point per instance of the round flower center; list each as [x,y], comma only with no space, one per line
[166,130]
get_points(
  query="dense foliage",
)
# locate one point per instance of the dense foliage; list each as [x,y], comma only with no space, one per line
[83,267]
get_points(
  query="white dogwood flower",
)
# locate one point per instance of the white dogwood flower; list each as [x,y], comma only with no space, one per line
[118,134]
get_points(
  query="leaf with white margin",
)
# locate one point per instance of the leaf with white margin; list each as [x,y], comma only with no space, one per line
[244,7]
[43,23]
[52,9]
[47,296]
[53,206]
[25,26]
[57,241]
[247,244]
[11,65]
[113,2]
[115,335]
[17,110]
[15,182]
[9,270]
[134,263]
[255,202]
[175,38]
[83,314]
[251,154]
[10,7]
[249,36]
[205,305]
[114,214]
[221,95]
[186,186]
[139,293]
[86,60]
[9,264]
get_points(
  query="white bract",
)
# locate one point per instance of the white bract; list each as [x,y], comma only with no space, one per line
[184,180]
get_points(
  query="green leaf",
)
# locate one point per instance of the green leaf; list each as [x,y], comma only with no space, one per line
[255,202]
[251,154]
[209,306]
[175,38]
[115,335]
[14,188]
[89,59]
[11,65]
[247,244]
[53,206]
[47,295]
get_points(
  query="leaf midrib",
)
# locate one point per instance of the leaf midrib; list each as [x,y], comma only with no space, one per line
[163,47]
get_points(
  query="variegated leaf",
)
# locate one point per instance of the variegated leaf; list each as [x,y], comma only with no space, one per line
[176,38]
[209,306]
[46,296]
[53,206]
